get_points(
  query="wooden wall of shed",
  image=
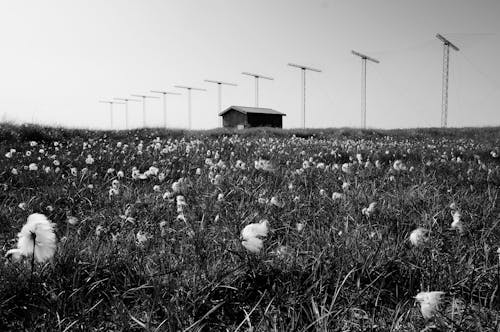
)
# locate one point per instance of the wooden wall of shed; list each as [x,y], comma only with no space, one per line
[234,118]
[265,120]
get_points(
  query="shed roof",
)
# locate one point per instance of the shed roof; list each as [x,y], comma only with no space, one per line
[245,110]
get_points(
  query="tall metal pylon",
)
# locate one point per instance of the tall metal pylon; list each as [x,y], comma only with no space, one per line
[219,86]
[257,77]
[144,107]
[364,58]
[126,100]
[303,69]
[189,88]
[165,93]
[446,68]
[111,103]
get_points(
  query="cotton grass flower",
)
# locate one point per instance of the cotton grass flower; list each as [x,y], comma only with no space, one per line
[251,236]
[369,210]
[457,222]
[418,236]
[429,303]
[36,239]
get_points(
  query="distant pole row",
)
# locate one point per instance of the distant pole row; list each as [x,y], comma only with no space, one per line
[364,58]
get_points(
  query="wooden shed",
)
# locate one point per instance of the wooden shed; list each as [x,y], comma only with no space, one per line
[247,117]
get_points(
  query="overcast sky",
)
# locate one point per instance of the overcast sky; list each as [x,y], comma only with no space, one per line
[59,58]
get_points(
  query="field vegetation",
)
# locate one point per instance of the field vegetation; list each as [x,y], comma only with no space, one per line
[348,227]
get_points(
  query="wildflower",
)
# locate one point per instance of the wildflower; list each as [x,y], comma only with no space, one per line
[33,143]
[73,221]
[220,197]
[161,177]
[251,236]
[152,171]
[346,168]
[74,171]
[264,165]
[28,153]
[274,201]
[346,186]
[299,226]
[399,165]
[337,195]
[418,236]
[33,167]
[156,188]
[369,210]
[429,303]
[120,174]
[22,205]
[181,203]
[322,192]
[36,238]
[56,162]
[198,171]
[217,180]
[110,171]
[89,160]
[457,222]
[99,230]
[14,171]
[141,238]
[113,192]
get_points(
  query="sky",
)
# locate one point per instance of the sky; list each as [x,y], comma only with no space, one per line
[58,58]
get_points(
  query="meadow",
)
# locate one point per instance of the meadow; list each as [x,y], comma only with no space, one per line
[148,226]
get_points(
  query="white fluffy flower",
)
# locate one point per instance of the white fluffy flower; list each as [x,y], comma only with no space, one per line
[337,195]
[429,303]
[418,236]
[253,244]
[399,165]
[251,236]
[33,167]
[36,238]
[369,210]
[89,160]
[457,222]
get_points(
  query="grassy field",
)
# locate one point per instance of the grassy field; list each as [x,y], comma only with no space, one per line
[148,227]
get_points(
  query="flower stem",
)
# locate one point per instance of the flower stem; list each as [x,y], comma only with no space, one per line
[33,258]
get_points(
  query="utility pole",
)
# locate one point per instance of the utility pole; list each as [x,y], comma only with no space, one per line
[257,76]
[446,67]
[144,107]
[189,88]
[110,109]
[219,86]
[165,93]
[364,58]
[126,100]
[303,69]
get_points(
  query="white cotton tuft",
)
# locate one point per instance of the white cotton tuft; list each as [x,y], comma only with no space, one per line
[429,303]
[418,236]
[457,222]
[253,244]
[251,236]
[255,230]
[37,235]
